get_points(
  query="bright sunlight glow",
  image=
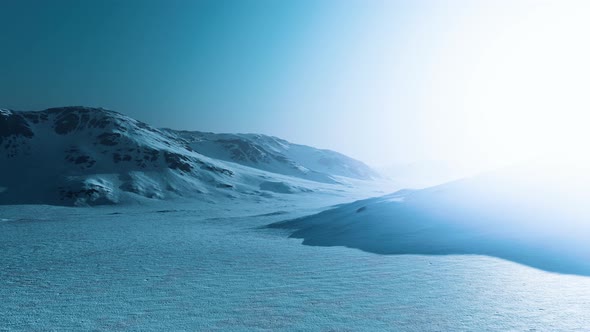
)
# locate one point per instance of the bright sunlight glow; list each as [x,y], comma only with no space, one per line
[527,94]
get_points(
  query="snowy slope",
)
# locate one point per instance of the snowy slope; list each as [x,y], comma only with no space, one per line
[426,173]
[278,156]
[80,156]
[529,214]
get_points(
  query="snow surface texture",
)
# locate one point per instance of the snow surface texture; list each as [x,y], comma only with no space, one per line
[528,214]
[89,156]
[182,267]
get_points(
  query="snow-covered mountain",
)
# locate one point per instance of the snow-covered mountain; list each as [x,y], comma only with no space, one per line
[536,214]
[278,156]
[80,155]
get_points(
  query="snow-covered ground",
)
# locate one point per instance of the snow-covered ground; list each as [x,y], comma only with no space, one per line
[199,266]
[175,236]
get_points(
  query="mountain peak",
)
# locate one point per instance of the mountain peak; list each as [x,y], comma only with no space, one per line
[84,155]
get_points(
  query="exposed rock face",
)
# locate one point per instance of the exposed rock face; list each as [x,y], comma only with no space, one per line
[14,130]
[61,149]
[13,124]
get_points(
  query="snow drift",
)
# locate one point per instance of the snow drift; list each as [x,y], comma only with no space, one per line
[531,214]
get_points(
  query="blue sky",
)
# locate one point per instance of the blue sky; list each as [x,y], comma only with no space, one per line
[383,81]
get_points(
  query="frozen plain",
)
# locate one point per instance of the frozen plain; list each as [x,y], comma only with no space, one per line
[215,267]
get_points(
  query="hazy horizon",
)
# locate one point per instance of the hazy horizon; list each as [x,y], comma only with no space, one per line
[386,82]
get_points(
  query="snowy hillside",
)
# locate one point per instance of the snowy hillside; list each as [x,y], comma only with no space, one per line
[80,156]
[427,173]
[278,156]
[531,214]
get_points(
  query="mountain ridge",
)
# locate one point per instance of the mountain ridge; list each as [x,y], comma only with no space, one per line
[86,156]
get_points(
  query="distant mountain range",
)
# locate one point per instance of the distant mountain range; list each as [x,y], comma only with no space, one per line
[277,156]
[88,156]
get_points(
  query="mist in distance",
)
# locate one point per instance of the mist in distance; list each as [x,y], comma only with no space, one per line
[472,85]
